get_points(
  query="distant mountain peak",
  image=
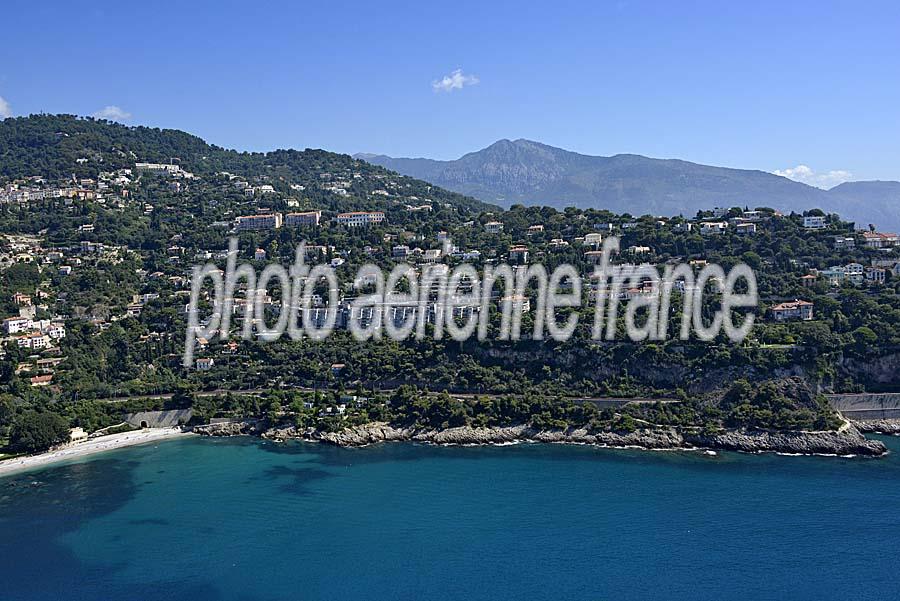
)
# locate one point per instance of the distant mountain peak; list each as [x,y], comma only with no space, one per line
[529,172]
[365,156]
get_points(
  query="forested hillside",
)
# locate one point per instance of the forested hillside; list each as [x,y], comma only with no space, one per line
[60,146]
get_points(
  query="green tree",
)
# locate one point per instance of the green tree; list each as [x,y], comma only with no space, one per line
[34,432]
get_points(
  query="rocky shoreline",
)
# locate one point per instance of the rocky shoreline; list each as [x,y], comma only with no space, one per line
[847,441]
[879,426]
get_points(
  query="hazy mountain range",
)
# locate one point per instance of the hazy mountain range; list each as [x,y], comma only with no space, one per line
[526,172]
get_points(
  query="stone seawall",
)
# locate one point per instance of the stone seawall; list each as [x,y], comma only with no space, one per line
[867,406]
[159,419]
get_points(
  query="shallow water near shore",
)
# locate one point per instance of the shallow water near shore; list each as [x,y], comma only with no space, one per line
[245,519]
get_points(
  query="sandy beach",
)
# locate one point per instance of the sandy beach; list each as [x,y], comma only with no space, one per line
[89,447]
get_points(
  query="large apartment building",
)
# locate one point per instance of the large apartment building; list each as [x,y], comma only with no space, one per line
[360,218]
[302,219]
[266,221]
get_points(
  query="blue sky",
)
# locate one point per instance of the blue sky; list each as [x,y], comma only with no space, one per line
[763,85]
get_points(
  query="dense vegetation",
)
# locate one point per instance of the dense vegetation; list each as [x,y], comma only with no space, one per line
[38,431]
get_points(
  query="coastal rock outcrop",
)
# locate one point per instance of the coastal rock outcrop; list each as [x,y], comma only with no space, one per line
[366,434]
[470,435]
[229,428]
[879,426]
[847,441]
[646,438]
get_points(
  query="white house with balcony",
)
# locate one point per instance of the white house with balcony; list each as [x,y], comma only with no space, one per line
[814,222]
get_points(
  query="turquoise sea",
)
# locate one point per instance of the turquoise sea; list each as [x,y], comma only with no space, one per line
[243,519]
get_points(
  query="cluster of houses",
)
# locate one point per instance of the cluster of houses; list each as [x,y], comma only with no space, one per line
[338,184]
[111,188]
[32,333]
[745,224]
[64,260]
[855,274]
[21,193]
[39,335]
[519,254]
[36,189]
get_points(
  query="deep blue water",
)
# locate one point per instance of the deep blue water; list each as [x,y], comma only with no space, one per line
[242,519]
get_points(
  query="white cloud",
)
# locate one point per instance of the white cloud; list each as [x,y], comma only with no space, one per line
[112,113]
[826,180]
[455,81]
[5,109]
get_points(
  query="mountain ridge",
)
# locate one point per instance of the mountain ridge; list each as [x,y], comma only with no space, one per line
[528,172]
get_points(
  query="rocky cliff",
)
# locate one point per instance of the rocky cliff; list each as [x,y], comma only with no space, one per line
[877,370]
